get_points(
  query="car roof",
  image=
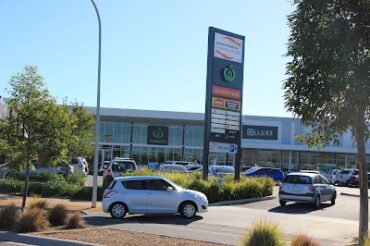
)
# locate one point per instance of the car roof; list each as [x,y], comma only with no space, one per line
[137,178]
[303,174]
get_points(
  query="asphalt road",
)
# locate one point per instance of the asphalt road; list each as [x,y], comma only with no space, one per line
[346,207]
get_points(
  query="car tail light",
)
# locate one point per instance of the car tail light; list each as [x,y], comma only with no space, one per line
[109,173]
[109,193]
[312,189]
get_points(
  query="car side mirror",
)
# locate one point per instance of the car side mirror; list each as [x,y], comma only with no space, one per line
[169,188]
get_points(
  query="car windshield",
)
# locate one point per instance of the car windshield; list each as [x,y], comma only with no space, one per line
[123,166]
[251,170]
[224,169]
[344,172]
[297,179]
[173,168]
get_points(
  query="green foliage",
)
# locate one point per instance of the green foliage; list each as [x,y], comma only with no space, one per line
[33,220]
[77,179]
[328,76]
[228,190]
[58,215]
[75,222]
[263,234]
[9,216]
[303,240]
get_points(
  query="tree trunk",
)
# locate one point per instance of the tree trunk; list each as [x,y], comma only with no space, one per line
[27,179]
[26,182]
[362,166]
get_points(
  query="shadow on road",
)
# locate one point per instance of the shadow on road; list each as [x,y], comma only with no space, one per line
[297,208]
[141,219]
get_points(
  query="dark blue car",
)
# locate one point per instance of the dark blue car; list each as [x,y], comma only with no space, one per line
[273,173]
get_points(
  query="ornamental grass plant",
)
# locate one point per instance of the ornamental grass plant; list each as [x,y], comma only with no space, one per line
[58,215]
[33,220]
[9,217]
[75,221]
[263,234]
[303,240]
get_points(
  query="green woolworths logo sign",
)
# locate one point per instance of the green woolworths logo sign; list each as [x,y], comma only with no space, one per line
[157,135]
[229,73]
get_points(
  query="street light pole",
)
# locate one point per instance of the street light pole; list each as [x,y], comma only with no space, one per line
[97,119]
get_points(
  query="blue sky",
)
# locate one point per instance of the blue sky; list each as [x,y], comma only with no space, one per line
[154,52]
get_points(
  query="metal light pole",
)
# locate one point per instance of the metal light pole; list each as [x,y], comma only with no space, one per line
[97,120]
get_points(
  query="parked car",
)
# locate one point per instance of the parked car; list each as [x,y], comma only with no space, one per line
[342,176]
[354,180]
[151,195]
[174,168]
[307,188]
[330,175]
[215,170]
[273,173]
[118,166]
[103,167]
[80,165]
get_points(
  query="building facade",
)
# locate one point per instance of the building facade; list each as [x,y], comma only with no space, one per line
[158,136]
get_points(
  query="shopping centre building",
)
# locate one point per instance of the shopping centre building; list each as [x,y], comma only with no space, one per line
[158,136]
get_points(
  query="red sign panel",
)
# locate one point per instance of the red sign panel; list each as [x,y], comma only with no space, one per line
[225,92]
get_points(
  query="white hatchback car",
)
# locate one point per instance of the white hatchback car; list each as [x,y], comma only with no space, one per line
[151,195]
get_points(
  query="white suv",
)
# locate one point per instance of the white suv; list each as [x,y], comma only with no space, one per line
[151,195]
[80,165]
[118,166]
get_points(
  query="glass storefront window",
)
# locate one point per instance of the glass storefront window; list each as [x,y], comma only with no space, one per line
[193,136]
[139,134]
[175,135]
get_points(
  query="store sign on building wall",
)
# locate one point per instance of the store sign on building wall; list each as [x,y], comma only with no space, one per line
[157,135]
[260,132]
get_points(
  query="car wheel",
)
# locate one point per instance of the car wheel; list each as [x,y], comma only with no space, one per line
[317,202]
[282,203]
[188,210]
[118,210]
[332,200]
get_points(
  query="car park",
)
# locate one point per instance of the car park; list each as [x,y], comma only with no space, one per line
[118,166]
[306,188]
[273,173]
[343,176]
[151,195]
[173,168]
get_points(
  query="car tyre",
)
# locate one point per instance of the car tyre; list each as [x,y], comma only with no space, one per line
[188,210]
[332,200]
[118,210]
[282,203]
[317,202]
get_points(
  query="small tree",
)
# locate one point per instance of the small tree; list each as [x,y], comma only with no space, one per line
[328,82]
[32,126]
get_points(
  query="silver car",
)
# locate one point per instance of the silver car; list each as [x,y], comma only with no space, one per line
[307,188]
[151,195]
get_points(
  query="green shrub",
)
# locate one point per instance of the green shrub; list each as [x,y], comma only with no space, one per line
[9,185]
[58,215]
[36,203]
[75,222]
[76,179]
[303,240]
[33,220]
[263,234]
[9,216]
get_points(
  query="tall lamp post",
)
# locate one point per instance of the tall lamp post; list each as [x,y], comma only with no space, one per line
[97,119]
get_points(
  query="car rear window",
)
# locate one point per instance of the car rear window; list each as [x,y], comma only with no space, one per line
[123,166]
[297,179]
[111,186]
[355,172]
[344,172]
